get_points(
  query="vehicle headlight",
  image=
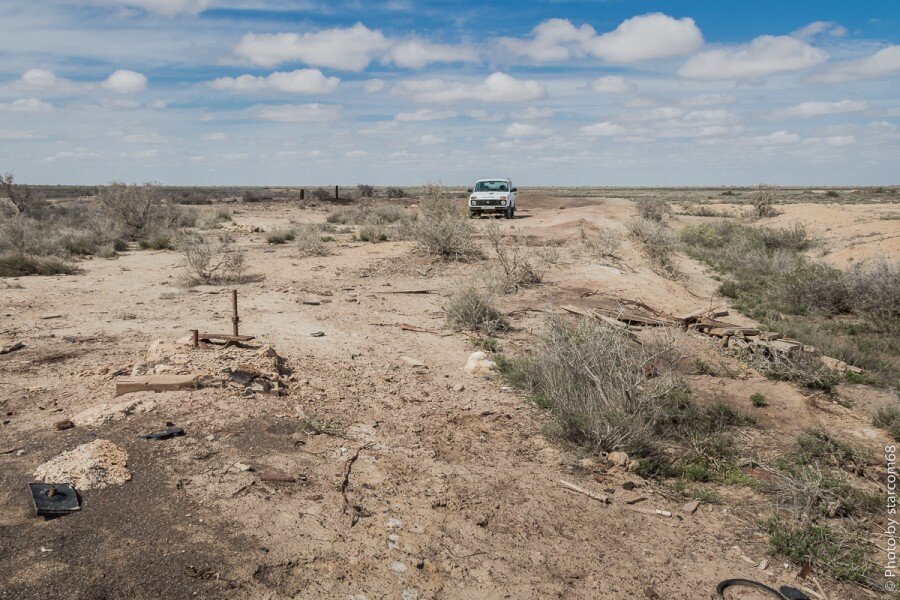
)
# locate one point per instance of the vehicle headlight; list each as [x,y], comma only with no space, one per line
[503,203]
[472,202]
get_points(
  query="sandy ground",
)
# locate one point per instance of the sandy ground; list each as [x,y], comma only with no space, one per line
[453,492]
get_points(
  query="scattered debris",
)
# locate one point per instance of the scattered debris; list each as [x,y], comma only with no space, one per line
[412,361]
[53,500]
[91,466]
[730,583]
[318,334]
[164,435]
[357,511]
[421,291]
[155,383]
[48,317]
[571,486]
[101,413]
[11,347]
[650,511]
[690,507]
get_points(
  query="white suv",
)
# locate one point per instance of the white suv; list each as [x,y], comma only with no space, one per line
[492,195]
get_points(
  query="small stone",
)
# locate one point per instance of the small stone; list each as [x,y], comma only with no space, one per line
[393,523]
[242,466]
[619,459]
[63,425]
[398,567]
[481,520]
[691,507]
[210,438]
[458,387]
[412,361]
[763,564]
[478,363]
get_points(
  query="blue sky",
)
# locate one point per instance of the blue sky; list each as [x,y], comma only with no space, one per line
[291,92]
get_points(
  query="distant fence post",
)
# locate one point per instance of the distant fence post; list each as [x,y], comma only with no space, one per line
[302,193]
[336,197]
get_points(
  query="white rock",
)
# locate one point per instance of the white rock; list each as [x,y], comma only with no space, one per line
[619,459]
[159,351]
[479,363]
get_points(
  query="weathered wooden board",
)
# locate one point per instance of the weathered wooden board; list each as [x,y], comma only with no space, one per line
[155,383]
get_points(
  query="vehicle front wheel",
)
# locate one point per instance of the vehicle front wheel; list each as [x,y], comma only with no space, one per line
[473,214]
[509,213]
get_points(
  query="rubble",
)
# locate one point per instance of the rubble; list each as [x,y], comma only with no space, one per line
[91,466]
[479,363]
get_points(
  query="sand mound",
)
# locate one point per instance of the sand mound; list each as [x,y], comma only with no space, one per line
[91,466]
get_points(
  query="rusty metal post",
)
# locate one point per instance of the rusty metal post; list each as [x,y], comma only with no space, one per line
[196,334]
[336,197]
[302,193]
[235,319]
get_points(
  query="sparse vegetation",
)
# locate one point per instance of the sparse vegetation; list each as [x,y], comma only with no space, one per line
[606,244]
[322,194]
[281,236]
[853,315]
[888,418]
[653,209]
[658,244]
[310,242]
[473,310]
[443,228]
[212,259]
[517,267]
[762,200]
[365,190]
[758,400]
[395,192]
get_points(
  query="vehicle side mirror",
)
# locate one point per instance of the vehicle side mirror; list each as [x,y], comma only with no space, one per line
[515,189]
[470,190]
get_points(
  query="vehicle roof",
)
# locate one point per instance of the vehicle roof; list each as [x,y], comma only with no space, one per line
[494,179]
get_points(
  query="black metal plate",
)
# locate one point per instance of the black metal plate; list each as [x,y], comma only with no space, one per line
[63,502]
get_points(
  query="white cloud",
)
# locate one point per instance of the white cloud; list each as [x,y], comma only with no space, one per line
[533,112]
[709,100]
[38,79]
[124,81]
[217,136]
[647,37]
[522,130]
[300,81]
[763,56]
[430,140]
[18,135]
[26,105]
[554,40]
[643,37]
[168,8]
[425,114]
[817,109]
[485,116]
[374,85]
[498,87]
[602,129]
[778,138]
[611,85]
[834,140]
[143,138]
[298,113]
[357,154]
[884,63]
[415,54]
[818,27]
[350,48]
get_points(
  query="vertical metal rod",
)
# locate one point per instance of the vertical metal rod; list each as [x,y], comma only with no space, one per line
[302,193]
[234,312]
[196,334]
[336,197]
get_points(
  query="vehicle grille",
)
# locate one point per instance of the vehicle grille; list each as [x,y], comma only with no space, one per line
[491,202]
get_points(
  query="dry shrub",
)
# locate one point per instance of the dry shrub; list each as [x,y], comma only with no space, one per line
[605,392]
[14,264]
[653,209]
[310,243]
[212,259]
[658,244]
[442,228]
[875,292]
[517,267]
[321,194]
[396,192]
[473,310]
[139,212]
[366,215]
[763,199]
[372,233]
[606,244]
[365,190]
[888,418]
[803,368]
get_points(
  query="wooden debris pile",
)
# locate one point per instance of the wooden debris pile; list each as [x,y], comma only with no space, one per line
[633,315]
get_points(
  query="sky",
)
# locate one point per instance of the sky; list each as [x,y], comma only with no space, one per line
[549,93]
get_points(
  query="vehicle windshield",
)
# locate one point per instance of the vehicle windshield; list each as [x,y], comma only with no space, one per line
[492,186]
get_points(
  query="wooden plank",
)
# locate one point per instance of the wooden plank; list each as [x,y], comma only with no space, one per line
[839,365]
[631,318]
[715,311]
[155,383]
[729,331]
[226,337]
